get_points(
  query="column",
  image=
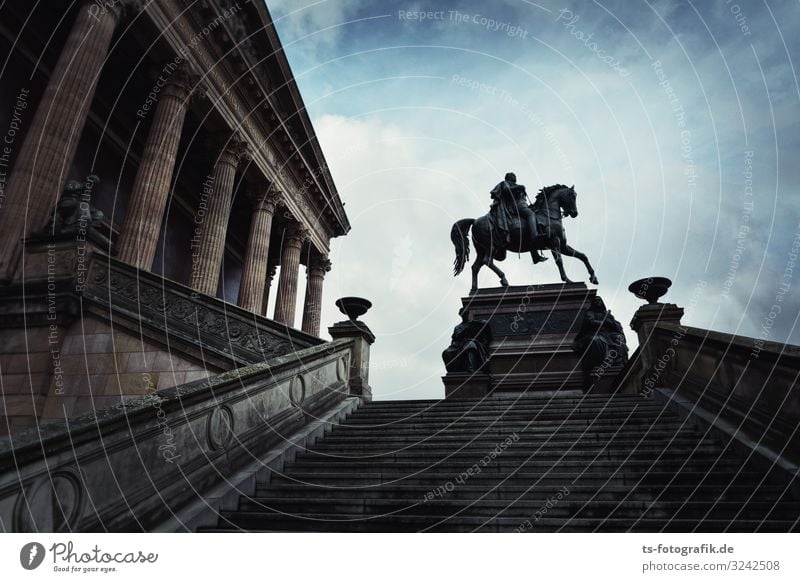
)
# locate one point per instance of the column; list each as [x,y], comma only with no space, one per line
[293,239]
[46,154]
[142,226]
[254,273]
[312,310]
[271,270]
[212,224]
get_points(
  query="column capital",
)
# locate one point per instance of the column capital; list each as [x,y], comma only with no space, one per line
[295,236]
[181,83]
[265,196]
[319,265]
[229,148]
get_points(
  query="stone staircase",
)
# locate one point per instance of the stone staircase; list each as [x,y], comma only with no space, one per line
[566,463]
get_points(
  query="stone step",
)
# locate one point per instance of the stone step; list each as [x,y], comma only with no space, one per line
[434,479]
[264,521]
[627,464]
[439,449]
[561,466]
[514,491]
[483,417]
[502,429]
[532,510]
[457,436]
[507,403]
[472,455]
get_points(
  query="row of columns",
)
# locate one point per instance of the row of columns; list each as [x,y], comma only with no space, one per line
[49,149]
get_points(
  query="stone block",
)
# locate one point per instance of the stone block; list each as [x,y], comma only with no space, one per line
[129,384]
[140,361]
[59,407]
[22,404]
[467,385]
[170,379]
[532,331]
[198,375]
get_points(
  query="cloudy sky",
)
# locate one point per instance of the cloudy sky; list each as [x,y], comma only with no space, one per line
[676,121]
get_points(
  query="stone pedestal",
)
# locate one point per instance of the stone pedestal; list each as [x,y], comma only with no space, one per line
[532,331]
[467,384]
[359,367]
[602,380]
[647,316]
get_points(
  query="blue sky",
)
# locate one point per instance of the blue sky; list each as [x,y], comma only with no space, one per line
[676,121]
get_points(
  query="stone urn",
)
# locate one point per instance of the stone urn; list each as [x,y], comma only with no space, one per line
[650,289]
[353,307]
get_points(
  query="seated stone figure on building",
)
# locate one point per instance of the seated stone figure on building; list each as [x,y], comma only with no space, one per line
[601,340]
[74,213]
[469,347]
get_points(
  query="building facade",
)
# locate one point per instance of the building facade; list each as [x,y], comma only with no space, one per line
[157,161]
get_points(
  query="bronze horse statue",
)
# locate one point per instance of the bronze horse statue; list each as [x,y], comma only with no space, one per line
[551,204]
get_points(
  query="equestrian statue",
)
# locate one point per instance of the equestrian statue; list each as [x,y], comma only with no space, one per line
[515,225]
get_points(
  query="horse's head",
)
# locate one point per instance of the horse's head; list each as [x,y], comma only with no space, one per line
[568,201]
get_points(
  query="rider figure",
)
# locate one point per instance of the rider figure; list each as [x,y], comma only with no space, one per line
[509,199]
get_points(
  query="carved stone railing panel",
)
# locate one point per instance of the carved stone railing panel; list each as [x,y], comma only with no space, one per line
[221,328]
[130,467]
[752,384]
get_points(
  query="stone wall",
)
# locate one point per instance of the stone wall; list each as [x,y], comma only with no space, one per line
[25,376]
[104,365]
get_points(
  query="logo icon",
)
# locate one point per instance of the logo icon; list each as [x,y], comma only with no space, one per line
[31,555]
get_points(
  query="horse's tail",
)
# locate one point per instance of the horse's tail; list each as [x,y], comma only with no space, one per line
[458,234]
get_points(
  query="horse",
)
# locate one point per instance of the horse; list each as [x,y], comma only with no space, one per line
[551,203]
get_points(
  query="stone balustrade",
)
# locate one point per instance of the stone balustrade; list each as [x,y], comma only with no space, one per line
[132,467]
[746,384]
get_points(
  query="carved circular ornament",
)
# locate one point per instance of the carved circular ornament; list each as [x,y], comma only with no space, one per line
[220,428]
[297,391]
[52,503]
[341,368]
